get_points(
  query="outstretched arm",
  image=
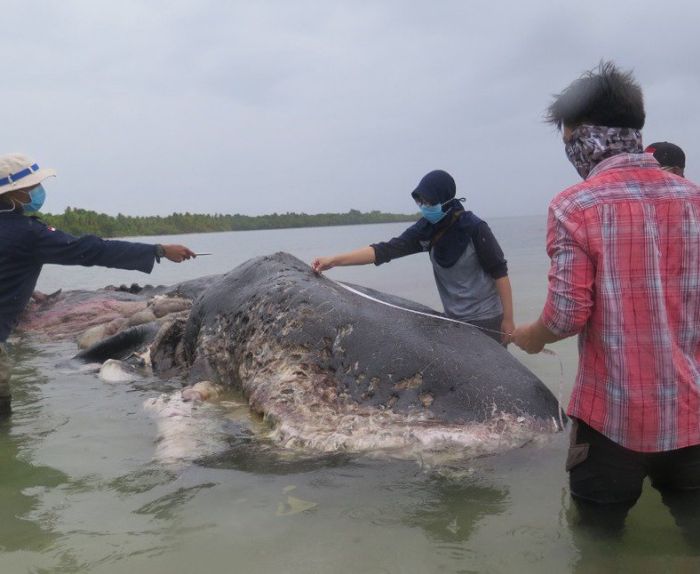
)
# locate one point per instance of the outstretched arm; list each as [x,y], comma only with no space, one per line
[54,246]
[361,256]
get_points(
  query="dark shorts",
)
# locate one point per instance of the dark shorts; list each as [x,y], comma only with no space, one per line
[606,479]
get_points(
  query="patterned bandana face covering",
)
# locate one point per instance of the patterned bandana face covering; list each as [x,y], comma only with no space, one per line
[589,145]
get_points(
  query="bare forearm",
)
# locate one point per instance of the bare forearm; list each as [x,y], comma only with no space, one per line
[361,256]
[533,337]
[543,334]
[505,293]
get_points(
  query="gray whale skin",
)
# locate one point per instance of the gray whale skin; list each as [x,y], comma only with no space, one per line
[332,370]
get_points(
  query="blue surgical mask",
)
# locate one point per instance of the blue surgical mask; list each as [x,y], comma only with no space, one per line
[432,213]
[37,196]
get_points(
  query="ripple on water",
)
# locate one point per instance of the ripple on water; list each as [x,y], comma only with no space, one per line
[456,552]
[165,506]
[142,480]
[371,514]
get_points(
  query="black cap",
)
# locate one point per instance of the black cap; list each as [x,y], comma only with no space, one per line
[667,154]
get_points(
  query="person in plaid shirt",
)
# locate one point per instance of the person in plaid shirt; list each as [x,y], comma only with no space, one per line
[625,276]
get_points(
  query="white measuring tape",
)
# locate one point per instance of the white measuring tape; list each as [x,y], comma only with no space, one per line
[441,317]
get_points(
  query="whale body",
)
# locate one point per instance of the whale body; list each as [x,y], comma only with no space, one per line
[330,369]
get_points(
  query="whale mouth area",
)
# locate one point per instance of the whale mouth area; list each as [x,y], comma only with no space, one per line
[307,410]
[319,419]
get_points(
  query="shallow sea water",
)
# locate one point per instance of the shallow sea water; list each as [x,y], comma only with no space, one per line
[81,489]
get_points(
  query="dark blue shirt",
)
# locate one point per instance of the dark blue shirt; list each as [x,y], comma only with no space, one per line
[26,243]
[453,238]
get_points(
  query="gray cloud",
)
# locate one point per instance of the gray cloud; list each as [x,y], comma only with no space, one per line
[254,107]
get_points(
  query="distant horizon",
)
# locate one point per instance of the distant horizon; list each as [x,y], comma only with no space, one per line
[78,221]
[482,215]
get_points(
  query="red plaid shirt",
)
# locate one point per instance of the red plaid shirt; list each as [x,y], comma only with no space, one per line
[625,275]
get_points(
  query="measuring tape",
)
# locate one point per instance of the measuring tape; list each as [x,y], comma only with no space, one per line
[442,318]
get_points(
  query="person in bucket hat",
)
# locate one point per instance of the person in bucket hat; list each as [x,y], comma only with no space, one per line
[26,244]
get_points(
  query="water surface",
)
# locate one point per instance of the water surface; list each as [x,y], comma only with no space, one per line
[81,490]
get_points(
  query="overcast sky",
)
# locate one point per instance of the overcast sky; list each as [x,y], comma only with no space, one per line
[150,107]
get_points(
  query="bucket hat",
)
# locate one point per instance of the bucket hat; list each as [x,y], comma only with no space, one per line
[17,171]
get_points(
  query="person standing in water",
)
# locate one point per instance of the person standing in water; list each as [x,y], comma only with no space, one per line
[624,275]
[26,244]
[470,269]
[671,157]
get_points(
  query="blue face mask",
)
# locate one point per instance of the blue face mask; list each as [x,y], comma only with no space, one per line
[433,213]
[37,196]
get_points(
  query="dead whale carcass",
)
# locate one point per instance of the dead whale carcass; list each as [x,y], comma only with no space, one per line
[332,370]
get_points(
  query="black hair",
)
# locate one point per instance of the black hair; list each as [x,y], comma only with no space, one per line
[602,97]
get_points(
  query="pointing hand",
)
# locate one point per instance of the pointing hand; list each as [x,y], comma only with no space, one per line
[178,253]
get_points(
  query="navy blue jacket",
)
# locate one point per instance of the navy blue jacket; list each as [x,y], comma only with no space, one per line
[26,243]
[456,237]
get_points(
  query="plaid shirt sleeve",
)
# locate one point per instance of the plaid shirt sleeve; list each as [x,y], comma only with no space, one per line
[570,294]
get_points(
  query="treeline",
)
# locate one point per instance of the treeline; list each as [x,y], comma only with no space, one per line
[83,221]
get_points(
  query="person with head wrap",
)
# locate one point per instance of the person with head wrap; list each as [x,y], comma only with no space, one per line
[469,267]
[624,277]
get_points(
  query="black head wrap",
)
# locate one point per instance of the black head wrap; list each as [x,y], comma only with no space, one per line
[454,231]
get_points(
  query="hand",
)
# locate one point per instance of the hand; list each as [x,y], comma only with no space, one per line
[177,253]
[507,326]
[526,338]
[39,297]
[321,264]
